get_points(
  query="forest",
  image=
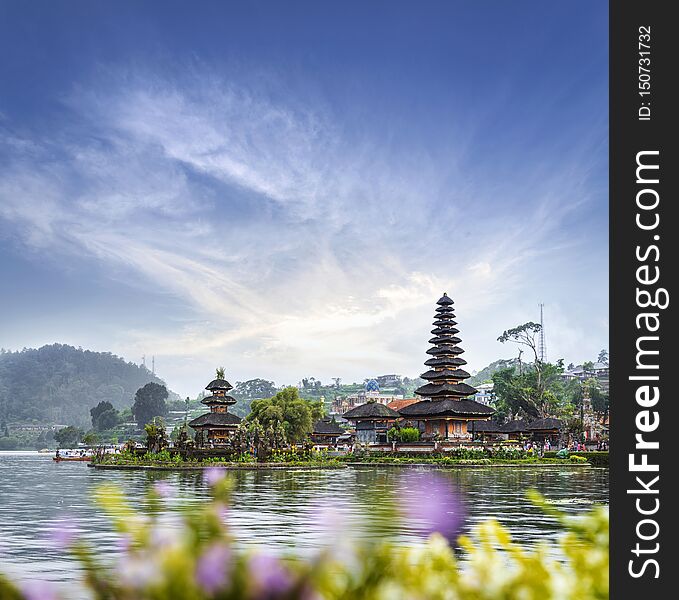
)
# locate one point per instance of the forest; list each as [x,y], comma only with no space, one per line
[59,384]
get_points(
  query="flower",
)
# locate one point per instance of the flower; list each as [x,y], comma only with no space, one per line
[269,576]
[212,567]
[163,489]
[432,505]
[137,571]
[39,590]
[64,533]
[214,475]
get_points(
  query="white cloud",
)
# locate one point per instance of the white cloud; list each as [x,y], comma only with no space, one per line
[296,249]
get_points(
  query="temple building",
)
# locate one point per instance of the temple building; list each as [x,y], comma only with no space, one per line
[326,431]
[215,427]
[445,409]
[372,421]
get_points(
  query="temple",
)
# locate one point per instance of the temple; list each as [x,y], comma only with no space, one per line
[445,410]
[215,427]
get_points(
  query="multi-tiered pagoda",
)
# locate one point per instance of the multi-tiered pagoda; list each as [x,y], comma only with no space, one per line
[215,427]
[445,410]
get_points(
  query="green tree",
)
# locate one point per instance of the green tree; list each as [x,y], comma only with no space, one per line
[532,392]
[90,438]
[149,402]
[104,416]
[68,436]
[599,398]
[603,357]
[156,435]
[286,408]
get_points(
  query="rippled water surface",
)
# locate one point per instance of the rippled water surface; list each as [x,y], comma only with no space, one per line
[282,510]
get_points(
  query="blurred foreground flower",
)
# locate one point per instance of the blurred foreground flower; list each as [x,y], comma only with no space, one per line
[199,560]
[430,502]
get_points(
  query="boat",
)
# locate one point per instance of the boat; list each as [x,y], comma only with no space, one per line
[74,457]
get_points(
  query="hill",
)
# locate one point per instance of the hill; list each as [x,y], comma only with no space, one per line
[60,383]
[485,374]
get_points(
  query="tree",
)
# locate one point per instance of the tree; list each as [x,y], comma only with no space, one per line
[104,416]
[286,408]
[253,389]
[68,436]
[599,398]
[603,357]
[529,391]
[149,402]
[156,435]
[90,438]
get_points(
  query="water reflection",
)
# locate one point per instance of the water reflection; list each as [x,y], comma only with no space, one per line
[282,510]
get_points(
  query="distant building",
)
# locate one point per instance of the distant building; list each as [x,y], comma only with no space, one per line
[484,394]
[372,421]
[326,431]
[389,380]
[215,427]
[371,392]
[598,371]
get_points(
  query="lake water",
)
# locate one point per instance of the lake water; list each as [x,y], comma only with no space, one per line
[284,511]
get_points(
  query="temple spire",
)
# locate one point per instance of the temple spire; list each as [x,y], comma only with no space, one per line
[445,378]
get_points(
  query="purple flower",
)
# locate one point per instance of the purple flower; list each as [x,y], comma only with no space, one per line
[39,590]
[163,489]
[65,533]
[124,543]
[214,475]
[137,571]
[269,576]
[431,504]
[222,511]
[212,568]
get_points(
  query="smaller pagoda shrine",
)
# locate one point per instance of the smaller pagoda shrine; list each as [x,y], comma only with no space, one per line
[372,421]
[445,409]
[215,427]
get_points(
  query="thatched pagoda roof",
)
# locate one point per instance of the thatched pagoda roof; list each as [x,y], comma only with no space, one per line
[444,361]
[371,410]
[446,389]
[445,374]
[445,339]
[446,407]
[213,400]
[446,329]
[545,424]
[219,384]
[215,419]
[327,427]
[444,300]
[444,349]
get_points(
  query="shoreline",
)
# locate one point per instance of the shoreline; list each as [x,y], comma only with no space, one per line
[357,464]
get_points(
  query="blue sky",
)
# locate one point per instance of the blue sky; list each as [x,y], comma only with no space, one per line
[285,188]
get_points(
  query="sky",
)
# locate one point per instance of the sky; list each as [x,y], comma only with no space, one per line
[286,188]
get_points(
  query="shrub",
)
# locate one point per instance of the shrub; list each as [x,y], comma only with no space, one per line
[409,434]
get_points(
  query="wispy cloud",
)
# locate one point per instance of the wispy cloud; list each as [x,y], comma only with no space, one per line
[288,239]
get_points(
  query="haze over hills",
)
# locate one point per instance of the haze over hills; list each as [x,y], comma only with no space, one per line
[59,384]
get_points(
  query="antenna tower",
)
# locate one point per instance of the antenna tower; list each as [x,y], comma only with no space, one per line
[542,345]
[153,365]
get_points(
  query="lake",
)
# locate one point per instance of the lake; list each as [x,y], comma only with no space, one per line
[281,510]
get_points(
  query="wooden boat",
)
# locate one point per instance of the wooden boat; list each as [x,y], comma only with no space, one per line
[72,458]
